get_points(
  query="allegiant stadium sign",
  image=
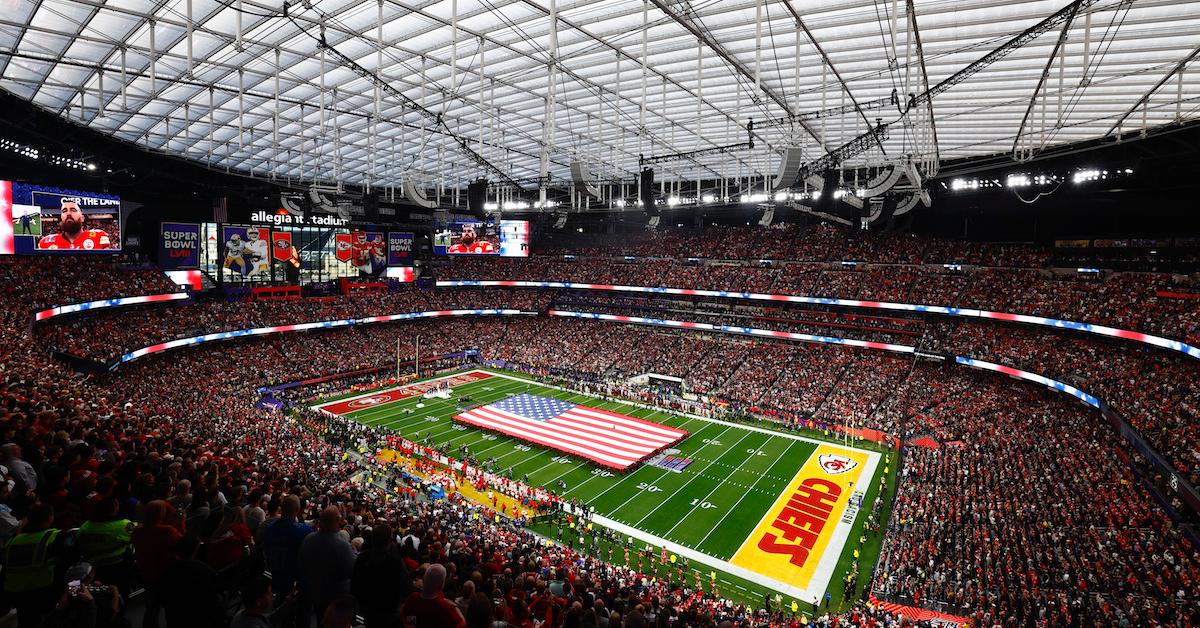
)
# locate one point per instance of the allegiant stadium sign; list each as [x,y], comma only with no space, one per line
[284,218]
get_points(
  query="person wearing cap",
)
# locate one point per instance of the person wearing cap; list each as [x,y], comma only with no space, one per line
[31,564]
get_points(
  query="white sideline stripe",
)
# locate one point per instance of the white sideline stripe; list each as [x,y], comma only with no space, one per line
[395,388]
[691,554]
[841,533]
[824,570]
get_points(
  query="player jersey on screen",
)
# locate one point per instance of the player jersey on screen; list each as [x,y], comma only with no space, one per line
[235,249]
[88,239]
[257,248]
[482,246]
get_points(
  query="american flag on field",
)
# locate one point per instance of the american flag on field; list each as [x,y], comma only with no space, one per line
[609,439]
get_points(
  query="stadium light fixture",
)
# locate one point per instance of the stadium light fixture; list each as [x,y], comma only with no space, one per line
[1017,181]
[707,198]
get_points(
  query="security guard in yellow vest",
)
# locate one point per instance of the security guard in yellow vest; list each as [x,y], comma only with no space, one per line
[105,542]
[31,582]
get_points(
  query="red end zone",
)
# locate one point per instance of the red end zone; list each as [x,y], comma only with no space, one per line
[392,395]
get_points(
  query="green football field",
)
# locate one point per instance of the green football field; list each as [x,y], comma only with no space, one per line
[710,508]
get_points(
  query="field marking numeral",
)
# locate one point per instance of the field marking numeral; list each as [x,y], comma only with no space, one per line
[755,452]
[461,428]
[523,448]
[432,419]
[649,488]
[712,441]
[703,505]
[602,473]
[489,437]
[561,460]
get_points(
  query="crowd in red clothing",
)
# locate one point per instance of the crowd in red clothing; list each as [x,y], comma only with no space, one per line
[1028,514]
[1123,300]
[216,490]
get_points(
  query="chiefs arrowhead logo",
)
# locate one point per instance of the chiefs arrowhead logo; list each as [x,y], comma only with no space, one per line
[834,464]
[370,401]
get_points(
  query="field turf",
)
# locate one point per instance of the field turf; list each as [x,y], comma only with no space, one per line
[711,507]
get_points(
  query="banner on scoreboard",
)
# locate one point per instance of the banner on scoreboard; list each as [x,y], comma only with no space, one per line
[399,246]
[246,251]
[281,245]
[179,246]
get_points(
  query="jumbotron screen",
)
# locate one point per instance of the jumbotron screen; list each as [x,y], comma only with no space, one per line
[504,238]
[43,219]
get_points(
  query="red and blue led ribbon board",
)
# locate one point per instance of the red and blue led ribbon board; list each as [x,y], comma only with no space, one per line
[734,329]
[1135,336]
[103,303]
[1032,377]
[258,331]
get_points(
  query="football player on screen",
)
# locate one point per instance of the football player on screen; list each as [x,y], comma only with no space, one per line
[470,242]
[235,254]
[72,235]
[258,254]
[378,254]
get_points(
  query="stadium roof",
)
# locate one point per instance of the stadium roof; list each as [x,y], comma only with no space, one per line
[246,85]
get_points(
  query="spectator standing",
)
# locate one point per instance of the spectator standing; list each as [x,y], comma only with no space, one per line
[381,580]
[326,561]
[31,566]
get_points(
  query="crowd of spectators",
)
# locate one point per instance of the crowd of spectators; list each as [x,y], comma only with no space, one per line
[1031,517]
[60,280]
[784,241]
[1027,512]
[107,334]
[1148,302]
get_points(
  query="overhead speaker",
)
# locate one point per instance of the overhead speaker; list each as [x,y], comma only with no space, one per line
[476,197]
[789,168]
[768,216]
[890,202]
[582,180]
[371,207]
[417,196]
[646,190]
[829,186]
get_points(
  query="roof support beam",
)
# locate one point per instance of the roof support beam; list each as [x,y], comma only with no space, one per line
[1178,68]
[828,62]
[732,60]
[1062,37]
[37,5]
[916,35]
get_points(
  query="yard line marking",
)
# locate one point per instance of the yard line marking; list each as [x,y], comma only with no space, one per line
[661,475]
[690,480]
[717,526]
[719,485]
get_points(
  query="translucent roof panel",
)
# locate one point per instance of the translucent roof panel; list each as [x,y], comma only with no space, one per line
[379,91]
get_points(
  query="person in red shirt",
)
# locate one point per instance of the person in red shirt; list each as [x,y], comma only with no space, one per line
[154,550]
[429,608]
[71,233]
[470,243]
